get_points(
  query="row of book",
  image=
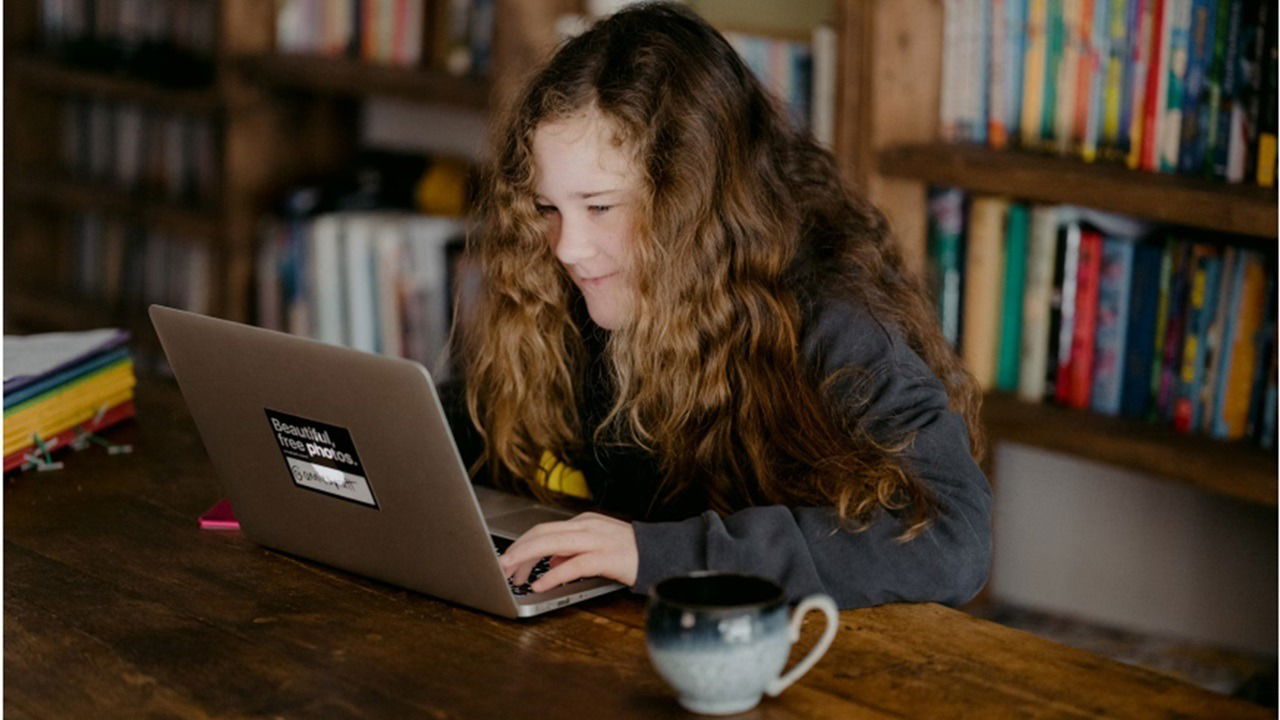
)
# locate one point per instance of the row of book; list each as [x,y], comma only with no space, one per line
[453,34]
[1170,86]
[127,264]
[381,281]
[60,389]
[800,74]
[1099,311]
[172,42]
[137,148]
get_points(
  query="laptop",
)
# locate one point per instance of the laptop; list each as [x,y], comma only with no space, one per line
[345,458]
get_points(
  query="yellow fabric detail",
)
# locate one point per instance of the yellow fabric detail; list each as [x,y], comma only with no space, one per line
[555,476]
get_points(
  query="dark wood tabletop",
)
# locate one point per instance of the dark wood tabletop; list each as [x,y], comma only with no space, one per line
[117,605]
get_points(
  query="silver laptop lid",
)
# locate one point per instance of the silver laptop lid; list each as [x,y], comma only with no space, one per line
[336,455]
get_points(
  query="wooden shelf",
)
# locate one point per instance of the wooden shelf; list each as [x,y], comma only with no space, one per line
[65,193]
[1235,469]
[1196,202]
[347,77]
[44,73]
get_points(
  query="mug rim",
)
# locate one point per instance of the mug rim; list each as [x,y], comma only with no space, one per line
[778,597]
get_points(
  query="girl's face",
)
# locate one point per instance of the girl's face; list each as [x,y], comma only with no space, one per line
[586,192]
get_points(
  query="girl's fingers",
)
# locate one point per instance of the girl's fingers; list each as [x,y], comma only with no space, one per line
[529,550]
[579,566]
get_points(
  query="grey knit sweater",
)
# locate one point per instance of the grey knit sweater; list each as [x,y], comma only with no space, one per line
[801,547]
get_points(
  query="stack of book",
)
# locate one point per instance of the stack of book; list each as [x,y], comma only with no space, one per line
[1098,311]
[455,35]
[60,388]
[1171,86]
[378,280]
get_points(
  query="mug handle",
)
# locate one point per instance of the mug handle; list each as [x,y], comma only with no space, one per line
[828,608]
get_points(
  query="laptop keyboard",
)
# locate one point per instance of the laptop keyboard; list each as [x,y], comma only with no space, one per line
[500,545]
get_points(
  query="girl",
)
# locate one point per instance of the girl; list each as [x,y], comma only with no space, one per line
[685,304]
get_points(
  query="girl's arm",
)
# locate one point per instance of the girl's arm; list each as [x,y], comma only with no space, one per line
[803,548]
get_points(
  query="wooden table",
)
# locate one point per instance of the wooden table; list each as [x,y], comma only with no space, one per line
[117,605]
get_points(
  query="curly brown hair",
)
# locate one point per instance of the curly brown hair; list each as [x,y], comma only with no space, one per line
[742,218]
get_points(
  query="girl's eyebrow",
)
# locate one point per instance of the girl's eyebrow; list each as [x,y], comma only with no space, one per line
[581,195]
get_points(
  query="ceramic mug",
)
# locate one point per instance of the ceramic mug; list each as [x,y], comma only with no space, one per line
[722,639]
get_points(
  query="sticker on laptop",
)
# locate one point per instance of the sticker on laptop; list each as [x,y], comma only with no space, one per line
[321,457]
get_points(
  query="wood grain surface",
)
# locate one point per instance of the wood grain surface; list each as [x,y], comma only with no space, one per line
[117,605]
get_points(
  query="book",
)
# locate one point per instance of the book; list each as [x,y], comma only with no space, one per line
[1246,100]
[1037,301]
[1216,115]
[116,414]
[1111,333]
[1170,124]
[1201,309]
[1212,340]
[984,271]
[1062,309]
[945,267]
[1075,379]
[1264,367]
[1099,59]
[1145,290]
[1035,62]
[1266,165]
[1008,362]
[1173,341]
[1141,58]
[1114,130]
[1238,353]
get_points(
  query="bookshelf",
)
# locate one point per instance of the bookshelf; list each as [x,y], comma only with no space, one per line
[887,141]
[279,119]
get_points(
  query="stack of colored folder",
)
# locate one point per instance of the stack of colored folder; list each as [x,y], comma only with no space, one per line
[59,387]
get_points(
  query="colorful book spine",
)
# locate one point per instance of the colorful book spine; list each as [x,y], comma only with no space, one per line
[1015,41]
[984,271]
[1216,116]
[1153,90]
[1246,310]
[1200,313]
[1064,127]
[1033,83]
[949,106]
[998,76]
[117,414]
[1171,122]
[1217,329]
[1062,313]
[1246,105]
[1099,58]
[1056,38]
[1037,301]
[1114,132]
[1112,330]
[1015,276]
[1265,367]
[946,271]
[1266,166]
[1140,76]
[1175,331]
[1196,96]
[1079,371]
[1140,343]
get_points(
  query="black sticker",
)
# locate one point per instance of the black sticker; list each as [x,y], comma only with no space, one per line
[321,457]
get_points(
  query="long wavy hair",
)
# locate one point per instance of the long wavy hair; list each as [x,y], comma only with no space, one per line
[742,219]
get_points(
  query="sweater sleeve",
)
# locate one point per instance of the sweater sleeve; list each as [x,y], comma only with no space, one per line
[803,548]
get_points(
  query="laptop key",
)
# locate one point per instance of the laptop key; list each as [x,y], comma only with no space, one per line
[543,565]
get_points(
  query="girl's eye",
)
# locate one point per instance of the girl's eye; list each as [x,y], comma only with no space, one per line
[545,209]
[598,209]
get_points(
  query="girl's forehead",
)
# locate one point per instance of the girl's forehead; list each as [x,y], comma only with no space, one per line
[580,147]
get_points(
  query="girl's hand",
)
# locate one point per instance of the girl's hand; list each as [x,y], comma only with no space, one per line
[587,545]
